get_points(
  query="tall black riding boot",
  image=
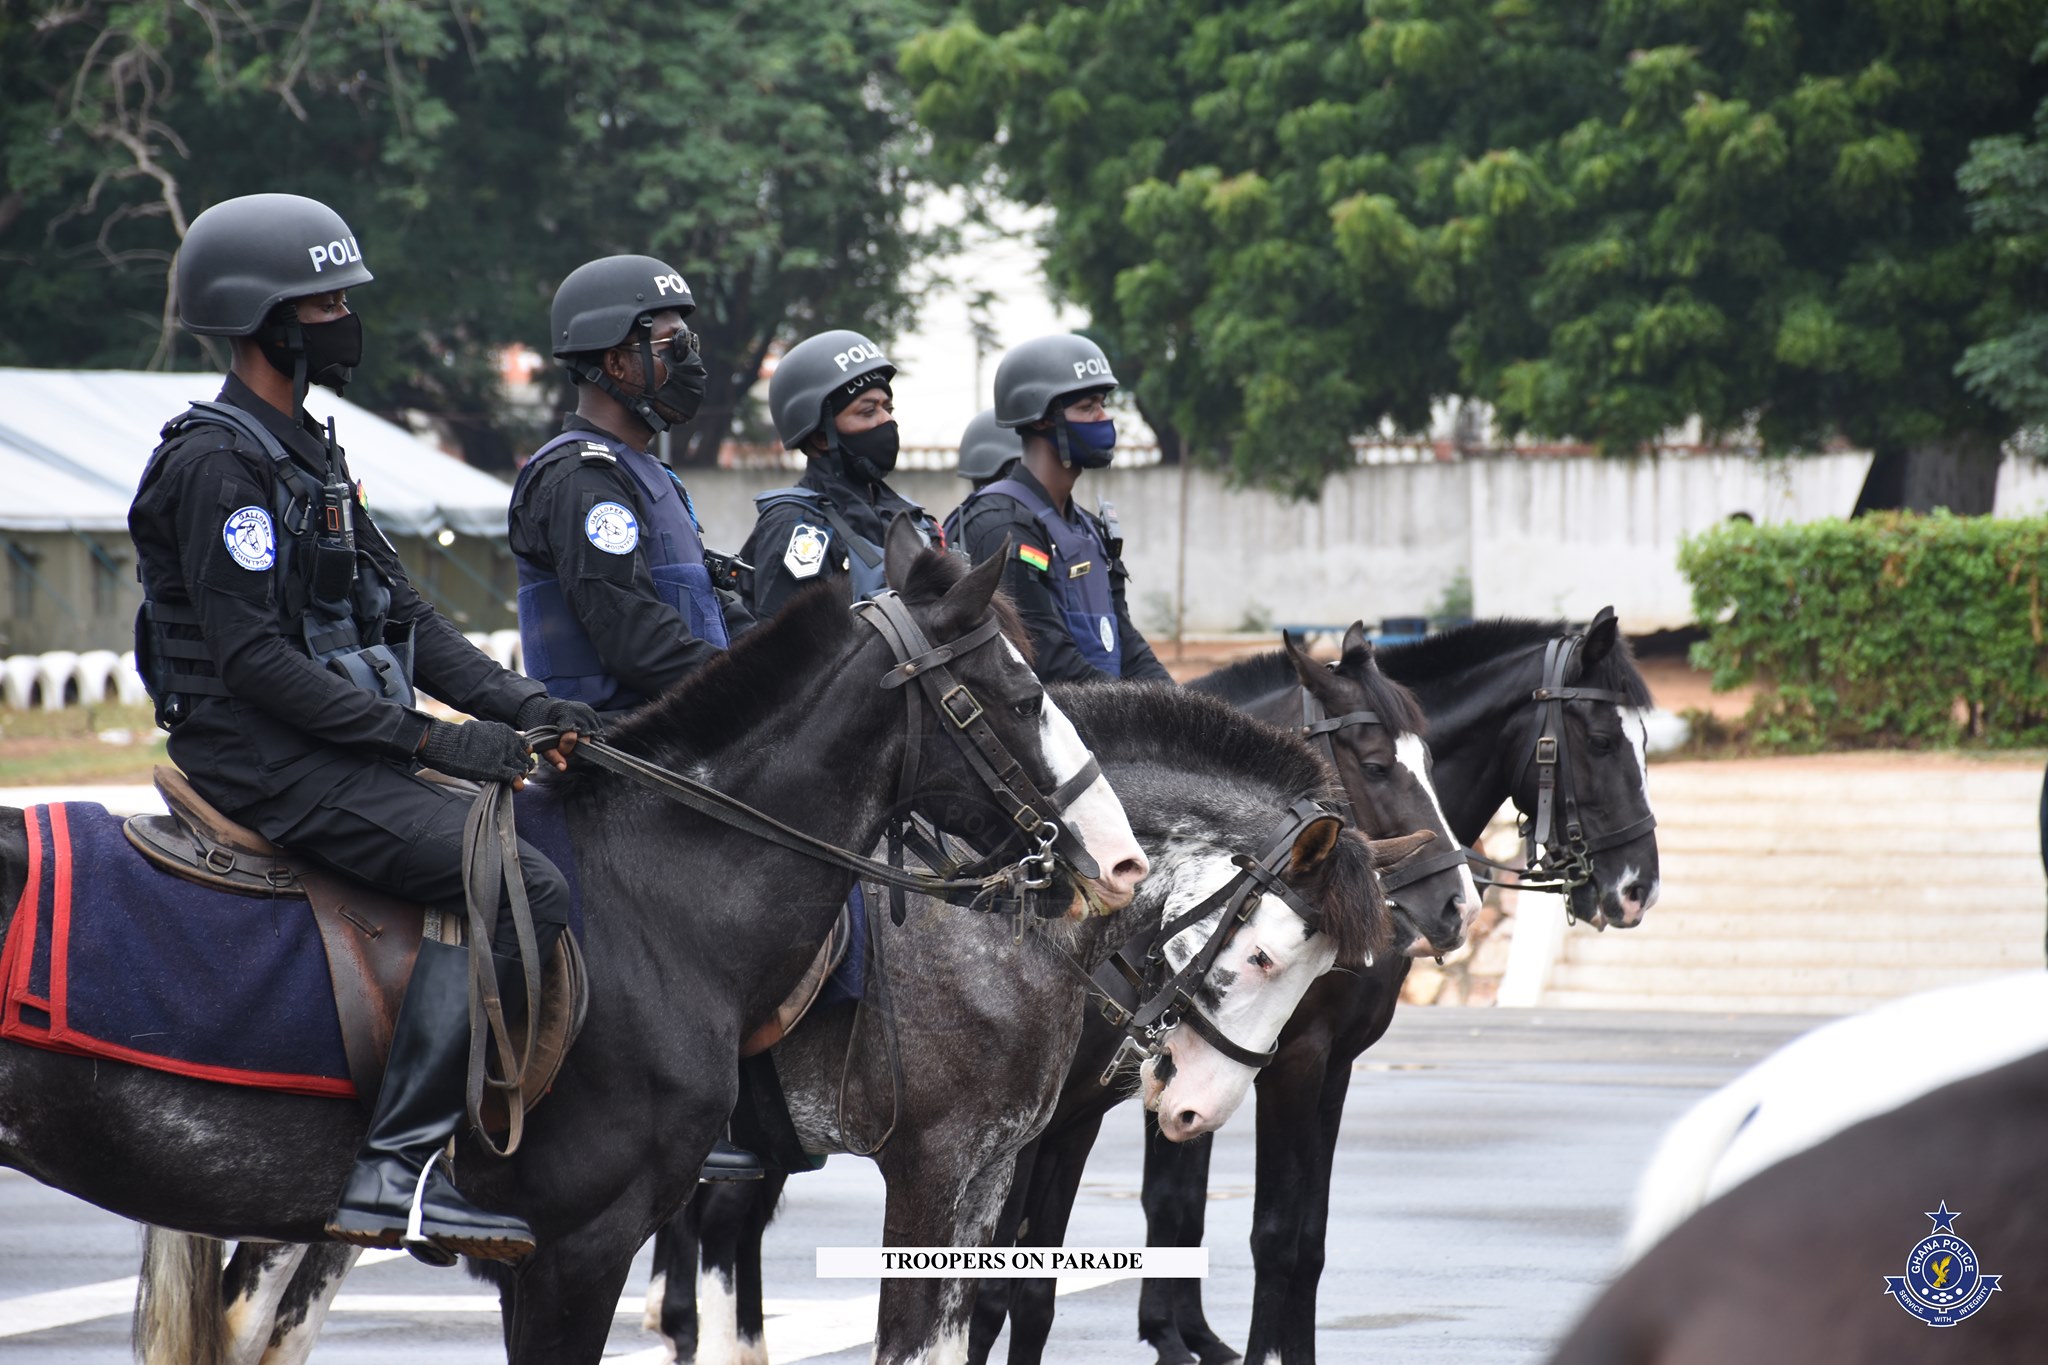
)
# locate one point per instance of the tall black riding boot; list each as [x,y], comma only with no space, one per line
[399,1192]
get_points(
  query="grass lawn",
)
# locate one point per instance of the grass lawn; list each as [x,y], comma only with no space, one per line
[110,744]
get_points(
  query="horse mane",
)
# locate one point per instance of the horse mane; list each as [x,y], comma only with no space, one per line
[767,669]
[1484,642]
[1245,681]
[1206,736]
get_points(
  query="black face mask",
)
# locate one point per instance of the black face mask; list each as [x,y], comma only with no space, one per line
[869,454]
[332,350]
[682,391]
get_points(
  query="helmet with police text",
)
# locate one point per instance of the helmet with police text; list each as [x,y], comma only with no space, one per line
[243,257]
[812,371]
[1035,376]
[598,303]
[985,447]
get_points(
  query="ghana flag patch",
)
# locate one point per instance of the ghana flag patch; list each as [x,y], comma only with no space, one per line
[1035,557]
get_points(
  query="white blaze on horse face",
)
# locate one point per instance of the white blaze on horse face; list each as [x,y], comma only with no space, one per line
[1413,754]
[1096,816]
[1249,1003]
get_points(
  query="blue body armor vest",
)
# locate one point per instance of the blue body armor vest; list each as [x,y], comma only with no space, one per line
[557,651]
[1078,576]
[865,561]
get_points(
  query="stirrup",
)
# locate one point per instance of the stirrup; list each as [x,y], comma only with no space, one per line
[414,1240]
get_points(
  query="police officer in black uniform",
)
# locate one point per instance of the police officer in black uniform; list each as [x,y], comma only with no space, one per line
[830,397]
[1066,571]
[282,640]
[986,454]
[616,598]
[616,594]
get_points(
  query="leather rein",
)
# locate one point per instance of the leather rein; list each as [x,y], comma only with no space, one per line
[1123,980]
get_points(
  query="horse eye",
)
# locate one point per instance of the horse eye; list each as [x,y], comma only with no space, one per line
[1377,771]
[1600,744]
[1029,708]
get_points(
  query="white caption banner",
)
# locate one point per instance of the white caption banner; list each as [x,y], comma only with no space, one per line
[1012,1263]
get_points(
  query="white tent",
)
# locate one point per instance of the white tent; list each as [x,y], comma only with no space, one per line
[73,444]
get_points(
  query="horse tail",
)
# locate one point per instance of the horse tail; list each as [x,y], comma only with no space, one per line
[1679,1178]
[179,1319]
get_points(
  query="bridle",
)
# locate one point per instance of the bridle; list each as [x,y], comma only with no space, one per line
[1318,731]
[1145,1015]
[1557,850]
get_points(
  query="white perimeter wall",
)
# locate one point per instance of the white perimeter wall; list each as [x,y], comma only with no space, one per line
[1535,537]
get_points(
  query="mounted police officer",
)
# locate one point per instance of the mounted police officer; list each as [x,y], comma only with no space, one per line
[830,398]
[986,454]
[1066,573]
[617,599]
[282,641]
[616,594]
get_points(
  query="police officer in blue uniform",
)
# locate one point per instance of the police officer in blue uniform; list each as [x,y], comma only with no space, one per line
[830,398]
[281,641]
[1065,569]
[616,602]
[986,454]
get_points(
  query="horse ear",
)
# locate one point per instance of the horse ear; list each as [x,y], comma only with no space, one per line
[1601,637]
[1355,638]
[1321,683]
[1313,845]
[1387,852]
[967,601]
[901,545]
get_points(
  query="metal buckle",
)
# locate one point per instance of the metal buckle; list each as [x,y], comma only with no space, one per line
[220,860]
[1027,819]
[1546,749]
[946,704]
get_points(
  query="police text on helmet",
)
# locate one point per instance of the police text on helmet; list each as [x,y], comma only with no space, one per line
[1093,365]
[334,253]
[670,284]
[847,357]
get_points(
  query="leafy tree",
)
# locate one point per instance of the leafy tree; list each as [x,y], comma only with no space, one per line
[2006,179]
[1602,218]
[481,152]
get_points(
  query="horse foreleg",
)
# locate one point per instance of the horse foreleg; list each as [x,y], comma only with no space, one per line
[1312,1241]
[672,1287]
[300,1314]
[558,1303]
[934,1203]
[992,1297]
[1056,1182]
[1292,1151]
[729,1322]
[1170,1317]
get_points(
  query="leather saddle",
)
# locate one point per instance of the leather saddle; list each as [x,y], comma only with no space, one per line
[371,938]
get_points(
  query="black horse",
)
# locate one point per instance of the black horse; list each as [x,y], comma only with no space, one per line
[696,932]
[1476,686]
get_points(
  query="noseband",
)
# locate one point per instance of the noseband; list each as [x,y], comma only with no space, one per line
[1318,729]
[1557,852]
[1124,979]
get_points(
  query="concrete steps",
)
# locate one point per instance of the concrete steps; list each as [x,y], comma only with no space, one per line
[1822,885]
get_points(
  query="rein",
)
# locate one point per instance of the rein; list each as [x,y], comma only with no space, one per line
[1318,729]
[1122,981]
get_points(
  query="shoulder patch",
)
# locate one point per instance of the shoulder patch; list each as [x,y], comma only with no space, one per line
[249,538]
[805,554]
[1035,557]
[596,453]
[613,528]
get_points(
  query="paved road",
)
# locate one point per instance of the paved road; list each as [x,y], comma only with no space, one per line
[1487,1159]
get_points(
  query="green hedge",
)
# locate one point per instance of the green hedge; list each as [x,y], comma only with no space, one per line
[1871,632]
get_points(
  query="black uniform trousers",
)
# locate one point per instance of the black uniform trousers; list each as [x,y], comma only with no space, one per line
[402,834]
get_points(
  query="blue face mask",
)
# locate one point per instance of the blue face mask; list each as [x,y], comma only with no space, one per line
[1090,444]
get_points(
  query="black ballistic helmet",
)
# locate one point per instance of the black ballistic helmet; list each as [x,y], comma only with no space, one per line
[985,447]
[1035,377]
[812,371]
[243,257]
[599,302]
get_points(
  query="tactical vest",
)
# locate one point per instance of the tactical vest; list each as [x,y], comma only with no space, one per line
[332,603]
[556,649]
[864,559]
[1082,557]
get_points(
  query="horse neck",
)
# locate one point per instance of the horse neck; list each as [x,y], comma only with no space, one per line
[1470,714]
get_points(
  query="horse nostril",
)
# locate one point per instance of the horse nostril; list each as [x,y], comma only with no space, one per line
[1130,871]
[1189,1119]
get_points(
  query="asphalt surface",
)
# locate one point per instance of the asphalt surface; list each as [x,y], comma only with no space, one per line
[1486,1163]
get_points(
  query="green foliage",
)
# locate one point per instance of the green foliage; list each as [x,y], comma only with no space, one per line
[1870,632]
[2006,179]
[480,151]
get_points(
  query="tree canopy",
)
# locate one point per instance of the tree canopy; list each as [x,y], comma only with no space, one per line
[1298,218]
[480,152]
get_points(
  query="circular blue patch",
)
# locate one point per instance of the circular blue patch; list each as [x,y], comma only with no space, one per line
[613,528]
[251,542]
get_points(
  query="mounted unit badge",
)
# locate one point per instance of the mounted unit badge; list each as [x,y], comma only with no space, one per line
[806,552]
[250,541]
[1107,629]
[1943,1283]
[613,528]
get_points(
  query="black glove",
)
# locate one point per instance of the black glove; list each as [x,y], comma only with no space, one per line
[480,750]
[563,715]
